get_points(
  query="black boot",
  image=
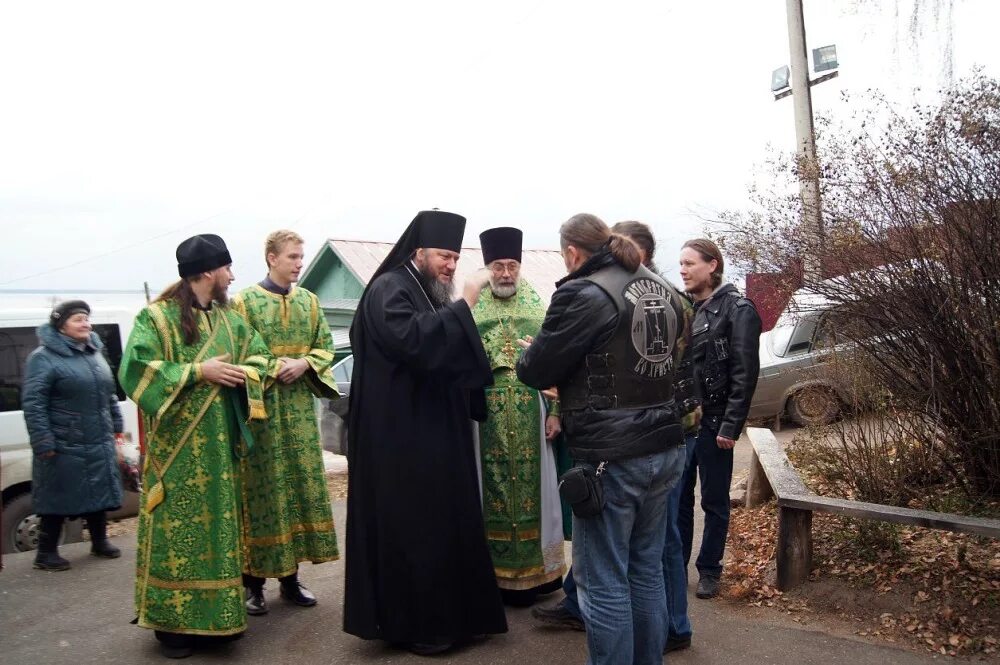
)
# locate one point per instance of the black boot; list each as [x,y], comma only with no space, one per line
[175,645]
[47,557]
[293,591]
[519,598]
[254,586]
[97,524]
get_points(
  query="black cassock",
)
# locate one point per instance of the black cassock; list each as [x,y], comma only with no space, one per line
[418,567]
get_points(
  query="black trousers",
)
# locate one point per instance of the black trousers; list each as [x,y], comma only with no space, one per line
[51,527]
[254,582]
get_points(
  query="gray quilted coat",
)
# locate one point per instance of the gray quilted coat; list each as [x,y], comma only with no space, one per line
[70,406]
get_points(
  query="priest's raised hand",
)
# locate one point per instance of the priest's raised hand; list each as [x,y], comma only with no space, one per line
[474,285]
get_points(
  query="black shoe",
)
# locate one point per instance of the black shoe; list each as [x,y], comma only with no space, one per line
[557,615]
[50,561]
[175,652]
[427,649]
[213,642]
[256,605]
[677,643]
[514,598]
[175,645]
[295,592]
[104,548]
[708,587]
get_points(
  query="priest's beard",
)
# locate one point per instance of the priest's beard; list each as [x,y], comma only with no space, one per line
[220,294]
[438,292]
[503,290]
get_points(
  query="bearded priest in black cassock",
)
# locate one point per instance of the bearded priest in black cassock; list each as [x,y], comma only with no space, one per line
[418,571]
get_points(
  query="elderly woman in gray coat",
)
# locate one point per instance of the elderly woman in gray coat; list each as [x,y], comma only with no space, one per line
[72,414]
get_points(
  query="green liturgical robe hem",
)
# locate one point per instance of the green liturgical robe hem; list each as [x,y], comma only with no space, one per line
[288,513]
[517,467]
[190,556]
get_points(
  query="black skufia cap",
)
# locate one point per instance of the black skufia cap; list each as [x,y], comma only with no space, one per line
[503,242]
[202,253]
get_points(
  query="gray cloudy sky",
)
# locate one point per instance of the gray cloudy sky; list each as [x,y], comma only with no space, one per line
[126,127]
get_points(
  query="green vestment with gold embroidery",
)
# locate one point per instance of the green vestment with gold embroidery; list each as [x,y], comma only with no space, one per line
[190,544]
[289,515]
[520,500]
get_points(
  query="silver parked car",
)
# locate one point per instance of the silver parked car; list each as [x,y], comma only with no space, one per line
[333,412]
[791,380]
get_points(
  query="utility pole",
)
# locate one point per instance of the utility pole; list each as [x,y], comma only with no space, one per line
[805,142]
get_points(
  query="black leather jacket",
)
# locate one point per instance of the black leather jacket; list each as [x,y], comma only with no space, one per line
[725,340]
[581,318]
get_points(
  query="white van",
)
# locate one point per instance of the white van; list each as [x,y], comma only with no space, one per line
[20,316]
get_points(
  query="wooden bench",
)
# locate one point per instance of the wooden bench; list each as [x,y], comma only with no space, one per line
[771,474]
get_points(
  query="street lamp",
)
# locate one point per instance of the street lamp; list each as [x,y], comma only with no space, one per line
[780,78]
[825,58]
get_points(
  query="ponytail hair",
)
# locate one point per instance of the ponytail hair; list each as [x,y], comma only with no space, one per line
[182,292]
[642,236]
[589,234]
[625,252]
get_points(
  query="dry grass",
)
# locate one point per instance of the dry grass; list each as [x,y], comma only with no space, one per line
[924,588]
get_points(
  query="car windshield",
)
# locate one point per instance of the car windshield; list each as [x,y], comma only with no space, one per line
[779,338]
[793,336]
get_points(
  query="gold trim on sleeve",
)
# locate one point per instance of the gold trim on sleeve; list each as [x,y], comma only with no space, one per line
[147,378]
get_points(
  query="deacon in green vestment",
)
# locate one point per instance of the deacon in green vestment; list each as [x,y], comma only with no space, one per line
[196,370]
[287,503]
[517,465]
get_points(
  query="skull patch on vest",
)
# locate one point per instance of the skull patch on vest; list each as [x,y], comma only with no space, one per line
[654,328]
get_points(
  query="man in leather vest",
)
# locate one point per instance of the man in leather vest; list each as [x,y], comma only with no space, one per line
[566,613]
[725,338]
[607,343]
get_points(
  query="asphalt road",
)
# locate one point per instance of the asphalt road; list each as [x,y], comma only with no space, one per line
[82,616]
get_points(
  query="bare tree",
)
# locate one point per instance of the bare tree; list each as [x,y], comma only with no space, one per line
[912,206]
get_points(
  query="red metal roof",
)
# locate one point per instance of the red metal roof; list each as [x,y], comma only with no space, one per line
[542,268]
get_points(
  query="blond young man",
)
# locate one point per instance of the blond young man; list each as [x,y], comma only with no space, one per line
[287,514]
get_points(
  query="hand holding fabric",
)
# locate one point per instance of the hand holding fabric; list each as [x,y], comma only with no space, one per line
[292,369]
[217,370]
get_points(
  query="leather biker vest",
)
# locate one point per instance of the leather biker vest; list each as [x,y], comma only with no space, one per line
[635,367]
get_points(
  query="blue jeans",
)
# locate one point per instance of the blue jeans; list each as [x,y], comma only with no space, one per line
[618,559]
[714,468]
[571,602]
[674,564]
[674,567]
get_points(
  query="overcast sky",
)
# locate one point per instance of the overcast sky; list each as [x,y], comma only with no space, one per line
[126,127]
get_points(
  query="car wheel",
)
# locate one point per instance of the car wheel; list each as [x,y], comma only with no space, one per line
[814,405]
[20,525]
